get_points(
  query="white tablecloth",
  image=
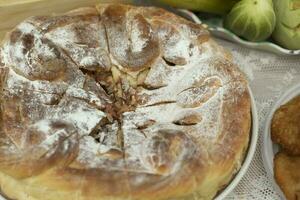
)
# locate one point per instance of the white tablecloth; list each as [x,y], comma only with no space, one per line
[269,76]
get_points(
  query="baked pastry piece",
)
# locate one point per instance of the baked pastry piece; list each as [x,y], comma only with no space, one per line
[287,174]
[119,102]
[285,128]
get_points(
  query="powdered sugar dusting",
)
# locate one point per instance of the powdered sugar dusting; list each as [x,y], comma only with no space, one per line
[92,155]
[43,126]
[204,86]
[88,50]
[179,89]
[80,114]
[27,27]
[90,97]
[138,42]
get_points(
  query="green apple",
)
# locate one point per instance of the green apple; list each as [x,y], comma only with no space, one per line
[287,30]
[253,20]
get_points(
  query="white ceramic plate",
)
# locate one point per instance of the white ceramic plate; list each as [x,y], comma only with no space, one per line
[269,149]
[215,26]
[249,155]
[254,129]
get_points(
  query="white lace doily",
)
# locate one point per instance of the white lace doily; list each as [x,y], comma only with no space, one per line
[269,76]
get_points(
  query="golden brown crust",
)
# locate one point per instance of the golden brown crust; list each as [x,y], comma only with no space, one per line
[125,70]
[285,128]
[287,174]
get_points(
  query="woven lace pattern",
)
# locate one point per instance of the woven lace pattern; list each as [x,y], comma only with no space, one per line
[270,76]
